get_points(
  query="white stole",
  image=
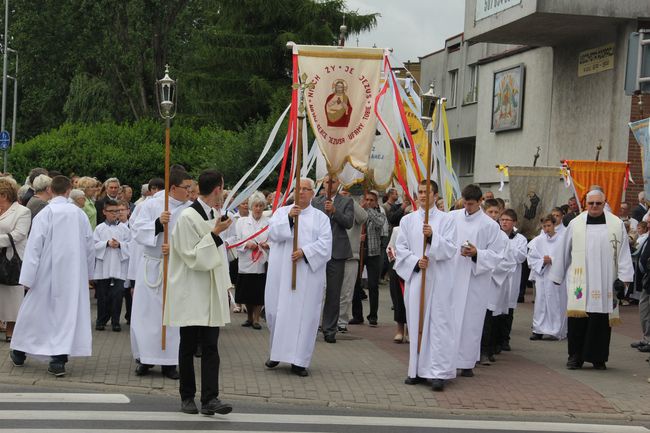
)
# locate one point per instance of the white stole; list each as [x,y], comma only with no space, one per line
[577,279]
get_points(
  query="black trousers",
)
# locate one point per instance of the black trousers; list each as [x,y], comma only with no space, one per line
[589,338]
[487,338]
[373,264]
[502,326]
[110,292]
[332,304]
[357,304]
[208,337]
[128,301]
[396,295]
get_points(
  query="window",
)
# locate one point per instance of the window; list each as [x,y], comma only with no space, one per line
[453,88]
[471,84]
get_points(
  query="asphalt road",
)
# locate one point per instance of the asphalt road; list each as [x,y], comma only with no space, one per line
[33,410]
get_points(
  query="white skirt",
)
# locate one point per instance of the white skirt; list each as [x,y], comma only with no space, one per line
[10,299]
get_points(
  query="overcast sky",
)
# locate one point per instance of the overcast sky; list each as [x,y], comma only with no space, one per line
[411,27]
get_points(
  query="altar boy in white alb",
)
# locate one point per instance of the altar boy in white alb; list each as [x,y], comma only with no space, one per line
[54,318]
[435,359]
[293,315]
[146,318]
[480,250]
[111,265]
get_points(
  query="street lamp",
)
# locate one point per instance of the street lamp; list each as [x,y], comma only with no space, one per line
[166,98]
[428,102]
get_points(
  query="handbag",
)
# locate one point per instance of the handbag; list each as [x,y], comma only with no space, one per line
[10,269]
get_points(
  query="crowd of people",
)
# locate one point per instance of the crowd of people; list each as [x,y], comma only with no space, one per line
[455,278]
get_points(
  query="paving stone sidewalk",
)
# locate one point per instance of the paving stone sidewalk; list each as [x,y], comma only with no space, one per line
[366,369]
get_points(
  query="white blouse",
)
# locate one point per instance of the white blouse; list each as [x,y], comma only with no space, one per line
[252,261]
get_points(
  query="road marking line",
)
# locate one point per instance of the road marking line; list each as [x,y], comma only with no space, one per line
[245,418]
[42,397]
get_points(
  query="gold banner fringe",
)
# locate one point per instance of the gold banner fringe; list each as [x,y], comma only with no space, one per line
[576,313]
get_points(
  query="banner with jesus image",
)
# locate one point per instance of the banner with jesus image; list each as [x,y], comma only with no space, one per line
[340,101]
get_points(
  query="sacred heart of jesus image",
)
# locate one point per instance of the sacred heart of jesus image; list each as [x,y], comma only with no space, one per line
[337,106]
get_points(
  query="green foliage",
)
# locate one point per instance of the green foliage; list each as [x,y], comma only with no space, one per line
[98,60]
[134,153]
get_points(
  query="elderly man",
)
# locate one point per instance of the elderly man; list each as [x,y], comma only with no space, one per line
[595,258]
[112,187]
[292,315]
[641,209]
[340,211]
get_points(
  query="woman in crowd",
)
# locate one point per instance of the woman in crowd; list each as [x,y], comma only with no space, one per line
[42,194]
[15,221]
[253,255]
[89,186]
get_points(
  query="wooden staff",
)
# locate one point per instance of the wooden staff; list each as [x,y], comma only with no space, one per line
[424,239]
[296,193]
[165,231]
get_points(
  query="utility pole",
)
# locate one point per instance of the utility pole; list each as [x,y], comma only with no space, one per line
[5,52]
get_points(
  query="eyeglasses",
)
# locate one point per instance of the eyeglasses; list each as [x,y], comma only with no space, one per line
[187,187]
[595,203]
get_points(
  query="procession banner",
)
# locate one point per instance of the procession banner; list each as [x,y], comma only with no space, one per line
[340,101]
[610,176]
[533,193]
[641,131]
[419,135]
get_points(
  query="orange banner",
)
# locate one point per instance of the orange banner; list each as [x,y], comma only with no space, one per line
[610,176]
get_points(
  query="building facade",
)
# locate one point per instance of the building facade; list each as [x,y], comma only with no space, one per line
[570,58]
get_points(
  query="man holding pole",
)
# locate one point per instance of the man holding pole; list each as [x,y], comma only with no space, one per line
[146,316]
[197,295]
[292,315]
[432,352]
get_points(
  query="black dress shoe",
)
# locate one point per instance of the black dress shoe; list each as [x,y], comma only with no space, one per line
[188,406]
[372,323]
[355,321]
[535,337]
[491,358]
[467,372]
[599,366]
[170,372]
[142,369]
[330,339]
[437,384]
[644,349]
[638,344]
[99,327]
[117,328]
[247,324]
[506,347]
[299,371]
[271,364]
[574,363]
[413,380]
[215,406]
[16,359]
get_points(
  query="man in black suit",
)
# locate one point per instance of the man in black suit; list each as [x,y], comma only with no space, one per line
[641,209]
[112,188]
[340,210]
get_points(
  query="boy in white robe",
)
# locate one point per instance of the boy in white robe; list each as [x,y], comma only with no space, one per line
[111,264]
[146,319]
[497,305]
[57,266]
[434,358]
[516,254]
[549,314]
[480,250]
[293,315]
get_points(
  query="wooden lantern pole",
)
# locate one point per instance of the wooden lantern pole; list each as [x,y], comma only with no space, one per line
[165,231]
[424,239]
